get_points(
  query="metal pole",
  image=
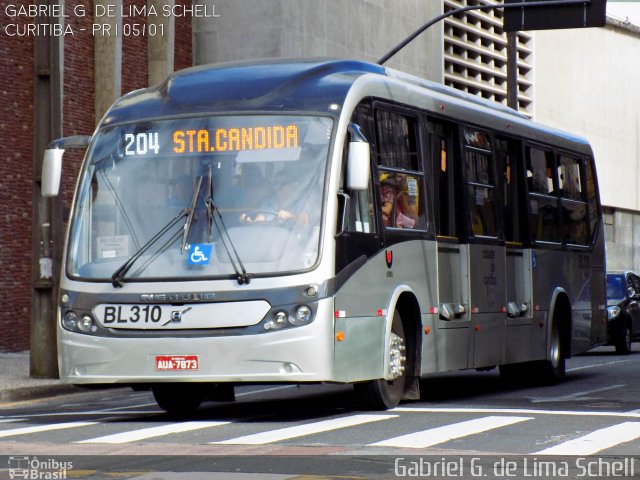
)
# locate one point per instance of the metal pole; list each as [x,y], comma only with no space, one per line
[47,227]
[512,70]
[532,4]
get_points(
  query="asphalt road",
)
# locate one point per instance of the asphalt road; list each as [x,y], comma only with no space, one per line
[466,423]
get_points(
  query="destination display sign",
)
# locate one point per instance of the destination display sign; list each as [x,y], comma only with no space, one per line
[190,140]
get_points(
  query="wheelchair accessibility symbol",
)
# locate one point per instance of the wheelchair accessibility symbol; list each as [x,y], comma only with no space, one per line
[200,254]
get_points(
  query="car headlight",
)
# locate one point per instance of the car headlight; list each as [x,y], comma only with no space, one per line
[613,312]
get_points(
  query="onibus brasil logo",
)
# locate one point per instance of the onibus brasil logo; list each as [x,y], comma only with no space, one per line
[36,469]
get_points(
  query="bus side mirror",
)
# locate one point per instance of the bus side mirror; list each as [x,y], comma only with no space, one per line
[52,162]
[358,166]
[358,160]
[51,172]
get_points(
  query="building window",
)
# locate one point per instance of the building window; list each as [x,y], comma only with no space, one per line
[609,216]
[475,55]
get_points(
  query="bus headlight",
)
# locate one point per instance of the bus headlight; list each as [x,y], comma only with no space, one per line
[302,316]
[86,324]
[70,320]
[613,312]
[278,321]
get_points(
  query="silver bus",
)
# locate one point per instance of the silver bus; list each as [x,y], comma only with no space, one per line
[323,221]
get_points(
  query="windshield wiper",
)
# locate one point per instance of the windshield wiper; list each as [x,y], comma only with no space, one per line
[190,214]
[119,274]
[241,274]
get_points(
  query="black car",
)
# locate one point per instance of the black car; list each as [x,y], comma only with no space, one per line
[623,309]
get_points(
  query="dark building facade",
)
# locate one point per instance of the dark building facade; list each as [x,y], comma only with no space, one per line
[18,74]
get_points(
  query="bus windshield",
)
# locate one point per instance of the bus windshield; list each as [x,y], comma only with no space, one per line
[196,197]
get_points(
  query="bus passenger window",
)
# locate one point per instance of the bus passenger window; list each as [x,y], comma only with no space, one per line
[361,211]
[569,178]
[400,201]
[508,154]
[481,191]
[397,145]
[400,172]
[540,172]
[545,220]
[574,206]
[443,182]
[574,216]
[361,217]
[480,183]
[592,197]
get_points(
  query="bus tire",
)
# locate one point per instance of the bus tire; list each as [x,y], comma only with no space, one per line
[552,370]
[182,399]
[385,394]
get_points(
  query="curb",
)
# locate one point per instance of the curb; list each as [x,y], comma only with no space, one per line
[35,392]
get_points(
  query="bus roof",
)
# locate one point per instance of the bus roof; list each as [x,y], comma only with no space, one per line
[280,85]
[292,85]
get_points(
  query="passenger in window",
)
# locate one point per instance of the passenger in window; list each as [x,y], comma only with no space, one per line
[388,199]
[398,208]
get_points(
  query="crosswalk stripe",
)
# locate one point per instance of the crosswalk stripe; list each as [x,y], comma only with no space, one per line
[142,434]
[596,441]
[434,436]
[43,428]
[519,411]
[306,429]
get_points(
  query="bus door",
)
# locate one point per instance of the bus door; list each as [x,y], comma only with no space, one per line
[453,265]
[519,307]
[487,259]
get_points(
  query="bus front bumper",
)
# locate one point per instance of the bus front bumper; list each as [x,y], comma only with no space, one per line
[301,354]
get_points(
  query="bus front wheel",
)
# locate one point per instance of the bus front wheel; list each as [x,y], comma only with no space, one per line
[384,394]
[182,399]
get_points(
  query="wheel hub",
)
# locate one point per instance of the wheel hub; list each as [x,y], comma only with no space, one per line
[397,357]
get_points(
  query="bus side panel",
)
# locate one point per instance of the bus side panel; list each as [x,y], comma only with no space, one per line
[518,332]
[518,343]
[360,355]
[488,297]
[365,302]
[452,336]
[571,272]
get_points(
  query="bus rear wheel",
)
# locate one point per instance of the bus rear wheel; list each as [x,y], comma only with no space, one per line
[385,394]
[179,399]
[552,370]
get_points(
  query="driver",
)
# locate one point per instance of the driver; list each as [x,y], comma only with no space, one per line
[283,205]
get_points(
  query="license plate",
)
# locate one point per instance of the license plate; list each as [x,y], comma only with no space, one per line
[132,316]
[176,362]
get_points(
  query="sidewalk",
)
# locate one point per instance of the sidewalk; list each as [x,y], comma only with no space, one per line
[16,384]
